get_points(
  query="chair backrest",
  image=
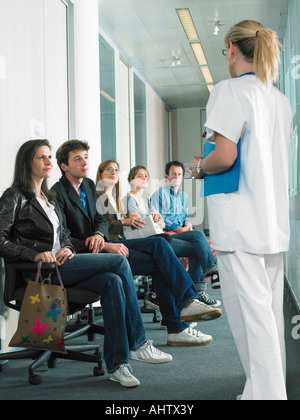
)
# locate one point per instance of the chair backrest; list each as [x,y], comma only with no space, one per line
[15,285]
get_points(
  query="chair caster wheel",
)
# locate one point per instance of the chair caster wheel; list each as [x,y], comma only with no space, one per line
[98,371]
[34,380]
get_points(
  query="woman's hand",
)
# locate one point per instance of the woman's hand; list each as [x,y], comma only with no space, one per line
[61,257]
[46,257]
[156,216]
[134,220]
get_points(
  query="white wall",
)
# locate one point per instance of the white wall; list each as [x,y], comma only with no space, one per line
[33,94]
[33,88]
[86,75]
[189,141]
[189,133]
[157,134]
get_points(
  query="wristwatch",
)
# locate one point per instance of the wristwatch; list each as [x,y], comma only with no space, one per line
[99,233]
[200,173]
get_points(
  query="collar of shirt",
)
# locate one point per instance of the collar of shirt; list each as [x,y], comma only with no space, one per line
[172,191]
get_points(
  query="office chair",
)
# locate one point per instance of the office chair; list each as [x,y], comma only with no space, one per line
[14,291]
[143,291]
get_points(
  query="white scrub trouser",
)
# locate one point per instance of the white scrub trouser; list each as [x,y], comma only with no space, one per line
[252,289]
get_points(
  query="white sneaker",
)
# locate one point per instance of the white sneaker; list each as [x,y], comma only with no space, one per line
[164,327]
[198,311]
[150,354]
[189,337]
[124,376]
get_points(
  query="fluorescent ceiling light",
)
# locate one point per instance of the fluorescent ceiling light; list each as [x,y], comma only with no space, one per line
[207,75]
[192,35]
[199,53]
[210,87]
[188,24]
[107,96]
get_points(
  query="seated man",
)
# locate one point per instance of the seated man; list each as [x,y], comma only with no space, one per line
[172,203]
[88,231]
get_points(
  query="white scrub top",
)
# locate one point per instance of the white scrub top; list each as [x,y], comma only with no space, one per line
[256,218]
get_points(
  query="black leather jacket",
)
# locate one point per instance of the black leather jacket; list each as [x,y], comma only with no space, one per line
[25,229]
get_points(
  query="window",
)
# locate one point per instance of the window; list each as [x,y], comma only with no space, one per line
[107,100]
[140,120]
[290,85]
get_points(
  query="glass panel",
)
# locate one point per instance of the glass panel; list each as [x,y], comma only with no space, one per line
[140,122]
[107,100]
[290,85]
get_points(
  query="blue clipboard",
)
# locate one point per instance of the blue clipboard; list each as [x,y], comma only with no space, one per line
[224,183]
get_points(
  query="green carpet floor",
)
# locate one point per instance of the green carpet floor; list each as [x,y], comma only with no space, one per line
[213,372]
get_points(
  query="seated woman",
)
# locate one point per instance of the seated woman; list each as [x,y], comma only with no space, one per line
[171,282]
[192,244]
[31,230]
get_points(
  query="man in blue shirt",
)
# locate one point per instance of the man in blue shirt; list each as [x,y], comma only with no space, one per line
[172,203]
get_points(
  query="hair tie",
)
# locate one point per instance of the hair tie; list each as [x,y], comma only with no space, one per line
[257,33]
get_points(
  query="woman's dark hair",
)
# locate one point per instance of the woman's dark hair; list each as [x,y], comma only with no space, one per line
[22,176]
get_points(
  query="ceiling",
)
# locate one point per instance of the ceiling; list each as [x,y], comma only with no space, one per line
[148,34]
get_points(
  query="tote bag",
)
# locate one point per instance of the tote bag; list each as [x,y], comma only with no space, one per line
[43,315]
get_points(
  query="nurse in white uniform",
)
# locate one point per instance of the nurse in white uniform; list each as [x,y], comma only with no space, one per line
[250,228]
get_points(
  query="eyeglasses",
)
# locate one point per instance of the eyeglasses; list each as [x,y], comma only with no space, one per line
[112,170]
[224,52]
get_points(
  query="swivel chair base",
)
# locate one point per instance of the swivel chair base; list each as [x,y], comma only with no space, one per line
[74,352]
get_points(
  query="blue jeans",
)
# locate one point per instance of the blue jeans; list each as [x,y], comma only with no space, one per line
[174,288]
[110,276]
[193,244]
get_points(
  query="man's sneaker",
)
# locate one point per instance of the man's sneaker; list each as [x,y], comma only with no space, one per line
[196,310]
[124,376]
[204,298]
[215,281]
[189,337]
[152,301]
[211,271]
[164,327]
[150,354]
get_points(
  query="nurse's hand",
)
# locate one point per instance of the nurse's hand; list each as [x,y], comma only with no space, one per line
[193,167]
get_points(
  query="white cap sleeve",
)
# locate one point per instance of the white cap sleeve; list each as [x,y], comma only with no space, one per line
[224,113]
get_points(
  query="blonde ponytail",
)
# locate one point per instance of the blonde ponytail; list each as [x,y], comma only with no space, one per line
[258,45]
